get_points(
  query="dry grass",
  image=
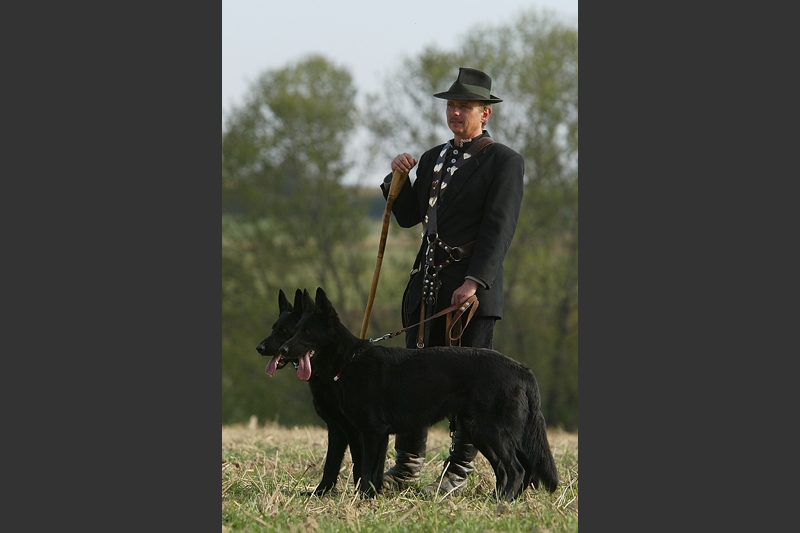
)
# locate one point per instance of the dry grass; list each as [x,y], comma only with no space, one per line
[267,471]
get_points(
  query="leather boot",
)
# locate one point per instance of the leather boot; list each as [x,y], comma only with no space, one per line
[456,468]
[410,458]
[404,472]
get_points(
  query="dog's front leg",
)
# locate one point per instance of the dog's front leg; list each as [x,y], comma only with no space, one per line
[374,461]
[356,451]
[337,444]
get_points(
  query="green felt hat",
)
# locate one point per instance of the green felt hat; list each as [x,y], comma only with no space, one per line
[471,84]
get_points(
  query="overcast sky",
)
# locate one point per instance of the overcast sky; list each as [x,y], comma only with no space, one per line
[368,37]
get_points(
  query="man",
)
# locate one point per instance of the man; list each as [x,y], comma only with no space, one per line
[467,196]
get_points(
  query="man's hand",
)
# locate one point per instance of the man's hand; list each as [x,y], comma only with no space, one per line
[467,289]
[403,163]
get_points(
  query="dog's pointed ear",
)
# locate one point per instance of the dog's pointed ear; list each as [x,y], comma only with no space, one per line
[298,300]
[323,304]
[283,303]
[321,296]
[308,303]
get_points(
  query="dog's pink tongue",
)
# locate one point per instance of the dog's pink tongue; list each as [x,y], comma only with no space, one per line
[304,369]
[272,365]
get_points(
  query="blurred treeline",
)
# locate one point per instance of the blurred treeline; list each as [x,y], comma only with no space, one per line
[302,161]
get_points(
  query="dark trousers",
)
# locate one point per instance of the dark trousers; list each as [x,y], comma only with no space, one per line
[479,334]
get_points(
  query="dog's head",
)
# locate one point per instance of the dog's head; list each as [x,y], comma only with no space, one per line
[282,330]
[311,333]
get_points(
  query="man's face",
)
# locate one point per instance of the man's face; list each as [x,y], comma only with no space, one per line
[465,117]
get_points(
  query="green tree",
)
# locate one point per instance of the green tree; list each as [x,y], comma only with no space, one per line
[288,220]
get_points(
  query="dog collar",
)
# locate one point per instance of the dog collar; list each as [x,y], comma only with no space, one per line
[337,376]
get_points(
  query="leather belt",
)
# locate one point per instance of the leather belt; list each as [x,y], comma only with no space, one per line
[462,252]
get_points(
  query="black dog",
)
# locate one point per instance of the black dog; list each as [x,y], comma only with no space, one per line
[387,390]
[341,432]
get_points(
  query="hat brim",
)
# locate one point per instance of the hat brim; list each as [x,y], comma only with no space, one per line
[447,95]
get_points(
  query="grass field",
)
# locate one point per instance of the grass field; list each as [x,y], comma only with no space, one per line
[266,471]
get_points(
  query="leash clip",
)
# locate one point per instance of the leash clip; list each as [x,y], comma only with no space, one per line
[383,338]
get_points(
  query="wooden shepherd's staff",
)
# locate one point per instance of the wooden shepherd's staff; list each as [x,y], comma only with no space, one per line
[398,178]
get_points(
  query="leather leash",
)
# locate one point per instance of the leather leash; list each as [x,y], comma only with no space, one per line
[470,303]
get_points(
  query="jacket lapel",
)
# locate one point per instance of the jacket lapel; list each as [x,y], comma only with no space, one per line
[457,182]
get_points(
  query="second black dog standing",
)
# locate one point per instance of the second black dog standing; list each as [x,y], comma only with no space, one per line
[386,390]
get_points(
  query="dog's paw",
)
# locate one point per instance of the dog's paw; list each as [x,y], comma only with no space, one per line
[321,491]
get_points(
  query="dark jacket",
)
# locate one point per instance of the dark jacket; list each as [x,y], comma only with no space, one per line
[481,204]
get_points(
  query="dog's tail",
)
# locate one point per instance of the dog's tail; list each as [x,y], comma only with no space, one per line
[540,467]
